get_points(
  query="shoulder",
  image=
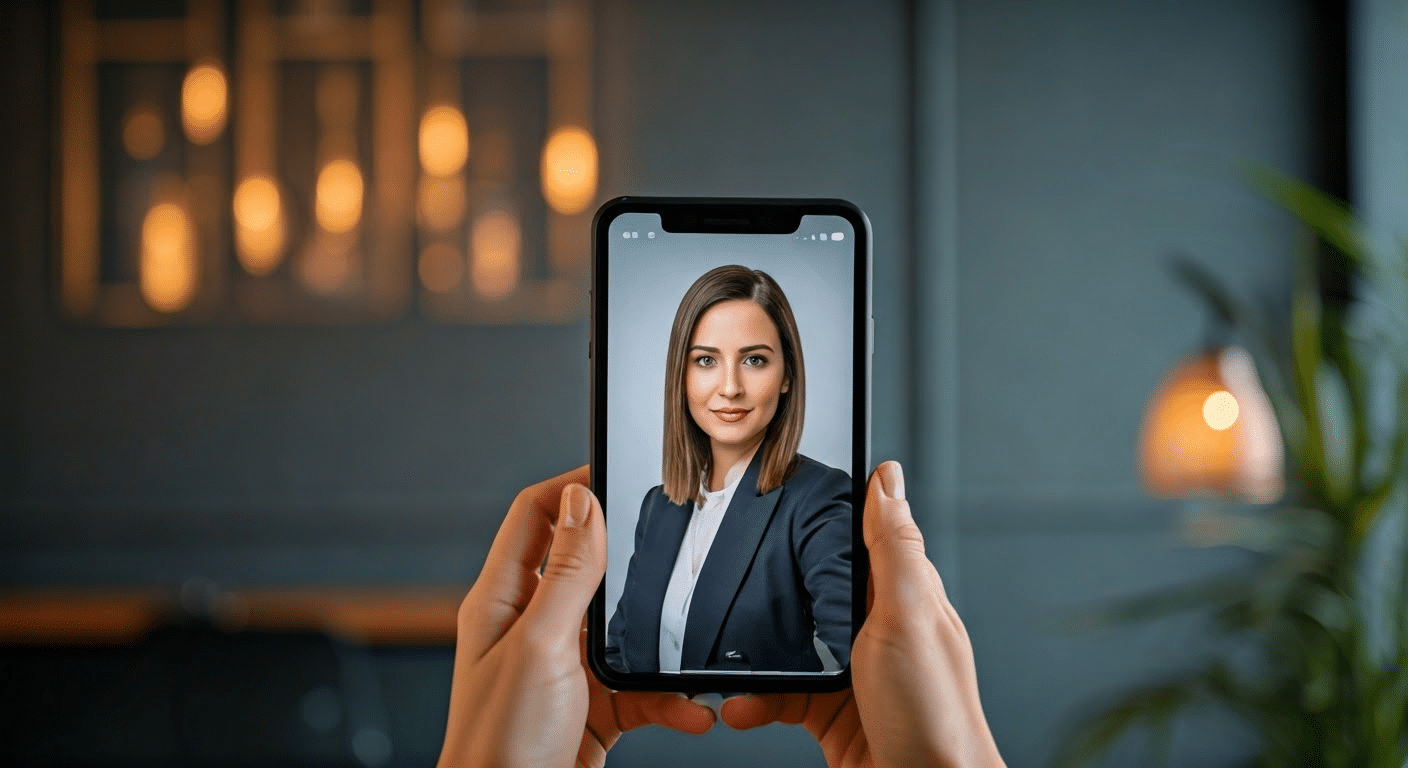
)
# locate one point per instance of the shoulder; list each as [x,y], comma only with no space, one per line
[811,477]
[655,500]
[655,495]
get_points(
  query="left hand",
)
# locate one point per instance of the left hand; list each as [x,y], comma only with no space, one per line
[521,694]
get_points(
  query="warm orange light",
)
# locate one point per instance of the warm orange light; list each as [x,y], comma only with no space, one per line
[444,141]
[259,225]
[569,170]
[1220,410]
[326,266]
[168,263]
[440,202]
[494,246]
[338,203]
[440,267]
[143,132]
[257,203]
[203,103]
[1210,429]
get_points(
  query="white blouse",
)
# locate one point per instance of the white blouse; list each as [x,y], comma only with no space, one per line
[698,538]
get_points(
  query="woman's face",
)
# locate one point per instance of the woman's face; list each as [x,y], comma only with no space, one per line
[734,373]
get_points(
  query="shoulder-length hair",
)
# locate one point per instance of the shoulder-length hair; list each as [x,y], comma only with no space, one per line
[687,457]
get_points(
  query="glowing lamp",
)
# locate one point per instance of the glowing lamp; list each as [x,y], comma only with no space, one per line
[569,167]
[444,141]
[1209,429]
[494,243]
[168,267]
[203,103]
[259,225]
[338,196]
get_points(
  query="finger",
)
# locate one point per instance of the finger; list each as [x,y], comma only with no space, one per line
[671,710]
[900,572]
[743,712]
[753,711]
[886,487]
[510,569]
[575,564]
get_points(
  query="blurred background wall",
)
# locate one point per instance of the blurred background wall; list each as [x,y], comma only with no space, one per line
[1028,167]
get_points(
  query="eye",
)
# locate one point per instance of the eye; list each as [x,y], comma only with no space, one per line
[704,361]
[757,361]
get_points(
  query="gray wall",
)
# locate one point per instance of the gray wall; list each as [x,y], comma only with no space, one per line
[354,454]
[1063,149]
[1076,145]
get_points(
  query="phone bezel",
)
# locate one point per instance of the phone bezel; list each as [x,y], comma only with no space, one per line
[732,215]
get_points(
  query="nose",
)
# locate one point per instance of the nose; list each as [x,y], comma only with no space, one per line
[732,384]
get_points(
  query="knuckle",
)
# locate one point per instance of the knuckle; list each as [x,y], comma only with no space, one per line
[528,496]
[565,564]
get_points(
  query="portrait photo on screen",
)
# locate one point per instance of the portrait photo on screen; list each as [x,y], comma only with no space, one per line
[729,447]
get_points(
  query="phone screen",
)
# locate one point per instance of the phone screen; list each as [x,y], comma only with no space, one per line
[730,422]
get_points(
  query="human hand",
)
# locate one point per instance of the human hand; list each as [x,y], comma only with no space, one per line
[914,688]
[521,695]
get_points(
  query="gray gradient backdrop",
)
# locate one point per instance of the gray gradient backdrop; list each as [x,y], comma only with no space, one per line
[647,278]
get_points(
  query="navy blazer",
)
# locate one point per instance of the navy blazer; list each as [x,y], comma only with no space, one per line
[779,569]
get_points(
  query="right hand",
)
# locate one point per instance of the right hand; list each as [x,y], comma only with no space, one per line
[914,688]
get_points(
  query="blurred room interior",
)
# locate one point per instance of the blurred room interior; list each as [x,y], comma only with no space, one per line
[292,304]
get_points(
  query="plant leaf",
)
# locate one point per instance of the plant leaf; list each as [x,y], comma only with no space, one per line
[1201,282]
[1334,413]
[1306,352]
[1327,216]
[1152,705]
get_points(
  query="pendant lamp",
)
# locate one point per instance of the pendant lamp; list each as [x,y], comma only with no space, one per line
[1209,430]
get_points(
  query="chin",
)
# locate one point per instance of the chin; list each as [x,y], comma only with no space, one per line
[734,439]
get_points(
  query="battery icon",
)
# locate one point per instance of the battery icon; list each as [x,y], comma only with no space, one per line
[838,235]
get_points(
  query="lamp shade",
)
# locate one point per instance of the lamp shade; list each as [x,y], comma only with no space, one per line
[1209,429]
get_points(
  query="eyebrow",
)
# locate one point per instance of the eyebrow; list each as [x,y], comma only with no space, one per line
[741,350]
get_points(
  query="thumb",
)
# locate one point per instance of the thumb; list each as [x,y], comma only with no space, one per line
[898,565]
[576,562]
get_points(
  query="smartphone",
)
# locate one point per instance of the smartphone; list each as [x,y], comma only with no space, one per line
[730,395]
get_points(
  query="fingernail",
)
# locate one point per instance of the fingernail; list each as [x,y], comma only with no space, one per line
[575,505]
[711,700]
[892,479]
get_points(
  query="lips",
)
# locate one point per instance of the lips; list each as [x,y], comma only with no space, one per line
[731,415]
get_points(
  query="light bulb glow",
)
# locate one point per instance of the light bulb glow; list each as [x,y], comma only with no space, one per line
[203,103]
[168,264]
[569,169]
[257,203]
[495,240]
[1220,410]
[259,225]
[444,141]
[338,203]
[1209,428]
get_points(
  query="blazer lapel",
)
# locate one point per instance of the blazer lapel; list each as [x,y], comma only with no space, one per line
[661,545]
[734,547]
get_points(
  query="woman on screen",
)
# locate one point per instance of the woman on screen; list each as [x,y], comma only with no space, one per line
[742,558]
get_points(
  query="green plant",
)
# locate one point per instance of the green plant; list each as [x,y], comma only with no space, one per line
[1324,609]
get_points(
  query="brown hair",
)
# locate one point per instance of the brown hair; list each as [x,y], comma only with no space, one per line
[687,457]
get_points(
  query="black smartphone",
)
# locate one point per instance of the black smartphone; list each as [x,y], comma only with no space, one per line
[730,356]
